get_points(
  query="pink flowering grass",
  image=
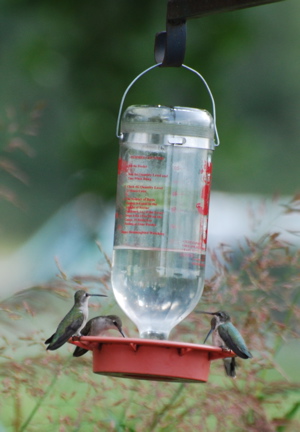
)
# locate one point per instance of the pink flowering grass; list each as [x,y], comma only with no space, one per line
[258,284]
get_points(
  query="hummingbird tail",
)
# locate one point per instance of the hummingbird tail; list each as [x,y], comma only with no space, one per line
[55,346]
[49,340]
[230,366]
[78,352]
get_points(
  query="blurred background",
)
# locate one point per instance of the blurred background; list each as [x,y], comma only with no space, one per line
[64,68]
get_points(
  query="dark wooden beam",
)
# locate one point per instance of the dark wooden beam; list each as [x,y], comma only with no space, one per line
[179,10]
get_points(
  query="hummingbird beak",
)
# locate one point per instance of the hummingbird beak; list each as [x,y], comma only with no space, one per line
[208,334]
[121,331]
[97,295]
[208,313]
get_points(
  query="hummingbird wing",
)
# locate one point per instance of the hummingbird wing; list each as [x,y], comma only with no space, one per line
[66,329]
[234,340]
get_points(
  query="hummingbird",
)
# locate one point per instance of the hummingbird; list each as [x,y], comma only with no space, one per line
[73,322]
[226,336]
[96,326]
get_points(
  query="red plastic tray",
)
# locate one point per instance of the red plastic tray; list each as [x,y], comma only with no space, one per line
[149,359]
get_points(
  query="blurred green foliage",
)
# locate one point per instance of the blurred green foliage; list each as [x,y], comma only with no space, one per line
[77,58]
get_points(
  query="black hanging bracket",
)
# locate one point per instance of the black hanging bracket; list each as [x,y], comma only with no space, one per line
[170,45]
[169,49]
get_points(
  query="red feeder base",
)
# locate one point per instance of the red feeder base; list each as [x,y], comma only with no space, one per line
[149,359]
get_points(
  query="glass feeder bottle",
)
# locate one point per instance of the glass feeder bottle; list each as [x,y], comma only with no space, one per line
[164,176]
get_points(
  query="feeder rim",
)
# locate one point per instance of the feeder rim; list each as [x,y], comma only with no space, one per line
[89,342]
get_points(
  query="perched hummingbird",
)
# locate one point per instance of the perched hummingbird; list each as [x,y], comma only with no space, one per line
[226,336]
[96,326]
[73,322]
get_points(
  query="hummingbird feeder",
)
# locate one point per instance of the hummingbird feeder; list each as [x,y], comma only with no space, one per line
[164,177]
[162,207]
